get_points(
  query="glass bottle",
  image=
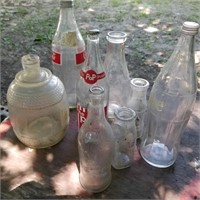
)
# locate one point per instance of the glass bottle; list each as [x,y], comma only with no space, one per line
[38,106]
[138,102]
[117,71]
[68,50]
[92,73]
[95,145]
[125,134]
[171,101]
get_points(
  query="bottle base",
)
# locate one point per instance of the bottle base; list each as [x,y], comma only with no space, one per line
[97,189]
[158,155]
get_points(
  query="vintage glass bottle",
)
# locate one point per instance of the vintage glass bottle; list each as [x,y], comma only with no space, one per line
[171,101]
[138,102]
[117,71]
[68,50]
[125,134]
[95,145]
[38,106]
[92,73]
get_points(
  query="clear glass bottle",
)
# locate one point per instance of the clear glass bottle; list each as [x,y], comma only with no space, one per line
[38,106]
[117,71]
[125,134]
[171,101]
[138,102]
[92,73]
[95,145]
[68,50]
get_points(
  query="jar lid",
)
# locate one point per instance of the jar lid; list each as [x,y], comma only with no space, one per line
[190,28]
[34,87]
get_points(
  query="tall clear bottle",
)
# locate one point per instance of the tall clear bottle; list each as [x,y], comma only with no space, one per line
[138,102]
[117,71]
[92,73]
[95,145]
[171,101]
[68,50]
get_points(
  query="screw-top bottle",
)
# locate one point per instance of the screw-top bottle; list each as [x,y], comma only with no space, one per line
[92,73]
[68,49]
[171,101]
[117,71]
[95,144]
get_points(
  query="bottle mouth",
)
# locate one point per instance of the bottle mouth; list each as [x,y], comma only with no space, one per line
[125,114]
[116,36]
[139,83]
[96,90]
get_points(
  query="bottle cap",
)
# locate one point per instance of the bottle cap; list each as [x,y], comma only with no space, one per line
[190,28]
[93,32]
[66,3]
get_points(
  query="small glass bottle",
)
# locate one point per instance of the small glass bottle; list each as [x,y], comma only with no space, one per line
[68,50]
[138,102]
[95,145]
[125,134]
[171,101]
[117,71]
[92,73]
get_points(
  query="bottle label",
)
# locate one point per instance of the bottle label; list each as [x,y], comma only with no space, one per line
[79,58]
[82,114]
[56,57]
[91,77]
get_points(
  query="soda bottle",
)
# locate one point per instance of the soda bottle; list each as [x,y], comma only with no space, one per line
[68,49]
[92,73]
[95,145]
[171,101]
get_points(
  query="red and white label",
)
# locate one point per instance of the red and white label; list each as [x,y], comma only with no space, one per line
[91,77]
[79,58]
[56,57]
[83,113]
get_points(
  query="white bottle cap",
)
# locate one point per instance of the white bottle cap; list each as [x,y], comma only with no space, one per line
[190,28]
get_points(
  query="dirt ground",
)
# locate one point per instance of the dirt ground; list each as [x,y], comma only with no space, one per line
[153,28]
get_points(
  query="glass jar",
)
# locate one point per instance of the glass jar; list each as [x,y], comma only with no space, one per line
[38,105]
[125,134]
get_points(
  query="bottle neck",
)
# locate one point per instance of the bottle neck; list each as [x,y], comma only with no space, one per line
[93,60]
[67,19]
[116,49]
[115,58]
[96,110]
[185,46]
